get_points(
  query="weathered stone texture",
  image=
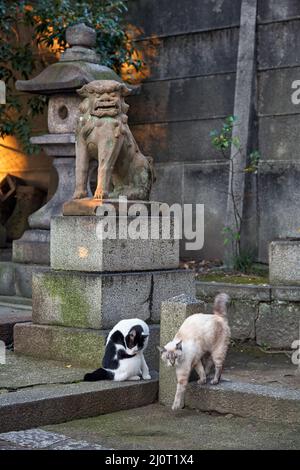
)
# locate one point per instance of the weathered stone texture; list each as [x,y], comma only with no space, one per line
[86,300]
[77,245]
[284,260]
[78,346]
[277,325]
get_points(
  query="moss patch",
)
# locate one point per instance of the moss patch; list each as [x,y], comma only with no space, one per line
[73,306]
[232,278]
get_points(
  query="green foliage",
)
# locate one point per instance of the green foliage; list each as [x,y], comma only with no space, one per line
[224,140]
[48,20]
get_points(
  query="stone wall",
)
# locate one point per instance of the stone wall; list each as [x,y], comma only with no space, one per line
[190,90]
[267,315]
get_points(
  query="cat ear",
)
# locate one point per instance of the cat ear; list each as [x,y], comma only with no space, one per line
[179,346]
[161,350]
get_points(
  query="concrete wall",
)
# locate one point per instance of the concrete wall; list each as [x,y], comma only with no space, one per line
[189,91]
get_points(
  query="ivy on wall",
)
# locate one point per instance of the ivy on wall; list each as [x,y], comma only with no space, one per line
[45,22]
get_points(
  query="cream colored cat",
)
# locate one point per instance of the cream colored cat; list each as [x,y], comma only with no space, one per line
[200,335]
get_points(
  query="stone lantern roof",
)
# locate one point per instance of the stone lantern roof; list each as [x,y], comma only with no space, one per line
[78,65]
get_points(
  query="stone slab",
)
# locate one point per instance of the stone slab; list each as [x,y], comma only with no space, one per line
[157,18]
[89,206]
[76,244]
[78,346]
[9,316]
[40,439]
[21,372]
[208,290]
[90,300]
[33,247]
[196,98]
[284,262]
[185,430]
[222,45]
[246,399]
[39,406]
[287,293]
[277,325]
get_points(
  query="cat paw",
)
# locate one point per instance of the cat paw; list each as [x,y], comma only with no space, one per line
[214,382]
[134,377]
[147,377]
[177,406]
[201,381]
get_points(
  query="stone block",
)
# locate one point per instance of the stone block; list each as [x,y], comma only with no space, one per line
[90,300]
[274,41]
[33,247]
[173,313]
[207,183]
[277,325]
[222,44]
[157,18]
[284,262]
[209,290]
[287,293]
[278,199]
[76,245]
[63,113]
[23,278]
[196,98]
[7,278]
[169,284]
[241,317]
[78,346]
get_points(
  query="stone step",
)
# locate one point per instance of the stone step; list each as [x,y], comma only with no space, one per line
[35,392]
[10,314]
[276,404]
[53,404]
[81,346]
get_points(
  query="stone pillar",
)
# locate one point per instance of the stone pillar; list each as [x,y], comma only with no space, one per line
[173,313]
[243,110]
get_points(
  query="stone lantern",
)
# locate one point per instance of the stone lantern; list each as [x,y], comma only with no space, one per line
[78,65]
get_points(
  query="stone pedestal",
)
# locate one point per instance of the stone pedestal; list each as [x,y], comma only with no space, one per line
[284,262]
[93,284]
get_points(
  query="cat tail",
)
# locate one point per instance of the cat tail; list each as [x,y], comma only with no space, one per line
[220,302]
[99,374]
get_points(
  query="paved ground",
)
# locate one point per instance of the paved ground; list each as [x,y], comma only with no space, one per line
[22,371]
[156,427]
[33,439]
[248,364]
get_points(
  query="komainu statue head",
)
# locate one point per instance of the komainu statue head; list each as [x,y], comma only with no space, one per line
[103,134]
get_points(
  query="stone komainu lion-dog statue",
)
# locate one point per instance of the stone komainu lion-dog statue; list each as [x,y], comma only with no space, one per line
[103,134]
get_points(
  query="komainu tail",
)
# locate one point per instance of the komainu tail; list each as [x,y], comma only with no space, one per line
[99,374]
[220,302]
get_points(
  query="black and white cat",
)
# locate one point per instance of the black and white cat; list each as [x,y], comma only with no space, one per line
[123,358]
